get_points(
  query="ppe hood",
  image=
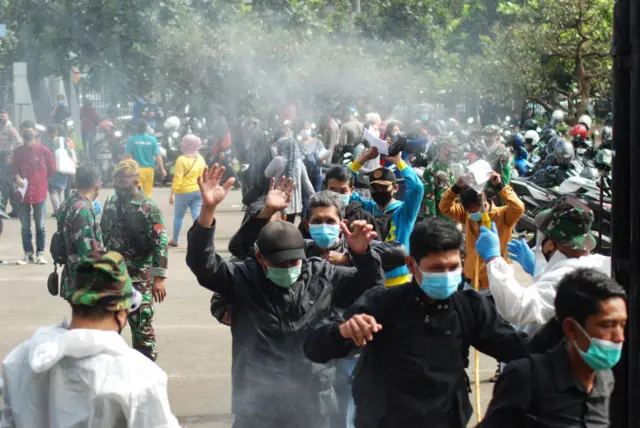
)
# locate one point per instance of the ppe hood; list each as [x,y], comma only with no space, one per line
[51,344]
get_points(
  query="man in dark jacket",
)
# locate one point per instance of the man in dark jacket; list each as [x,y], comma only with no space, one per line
[277,296]
[417,338]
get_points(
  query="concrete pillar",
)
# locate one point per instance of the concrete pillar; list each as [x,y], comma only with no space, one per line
[22,102]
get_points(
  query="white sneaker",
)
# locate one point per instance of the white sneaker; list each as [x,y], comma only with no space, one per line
[28,258]
[41,260]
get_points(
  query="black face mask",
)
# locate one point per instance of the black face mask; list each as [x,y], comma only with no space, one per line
[547,256]
[381,198]
[28,136]
[125,194]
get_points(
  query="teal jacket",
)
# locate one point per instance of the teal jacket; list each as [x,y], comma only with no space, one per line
[403,218]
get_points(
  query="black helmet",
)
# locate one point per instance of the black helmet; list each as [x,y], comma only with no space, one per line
[551,145]
[564,152]
[548,134]
[530,125]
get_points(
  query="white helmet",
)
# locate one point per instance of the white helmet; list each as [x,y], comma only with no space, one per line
[172,122]
[585,120]
[557,115]
[532,137]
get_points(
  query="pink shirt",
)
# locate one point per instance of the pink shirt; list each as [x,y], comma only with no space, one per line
[36,164]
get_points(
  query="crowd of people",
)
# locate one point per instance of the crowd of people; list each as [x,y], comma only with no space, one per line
[361,315]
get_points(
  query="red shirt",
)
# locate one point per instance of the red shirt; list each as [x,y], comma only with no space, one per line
[36,164]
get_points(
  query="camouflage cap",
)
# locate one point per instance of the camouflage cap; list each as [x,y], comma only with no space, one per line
[102,280]
[568,223]
[127,168]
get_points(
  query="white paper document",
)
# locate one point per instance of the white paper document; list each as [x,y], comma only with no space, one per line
[376,142]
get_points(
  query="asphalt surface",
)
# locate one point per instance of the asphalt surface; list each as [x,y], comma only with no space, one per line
[194,349]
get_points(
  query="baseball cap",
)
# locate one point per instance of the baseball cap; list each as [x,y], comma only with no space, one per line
[568,223]
[382,176]
[102,279]
[280,242]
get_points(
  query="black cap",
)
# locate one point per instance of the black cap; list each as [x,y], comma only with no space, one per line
[382,176]
[280,242]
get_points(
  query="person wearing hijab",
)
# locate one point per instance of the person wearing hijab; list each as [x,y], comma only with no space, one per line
[185,192]
[288,163]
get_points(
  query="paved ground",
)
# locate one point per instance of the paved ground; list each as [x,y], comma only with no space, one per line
[194,349]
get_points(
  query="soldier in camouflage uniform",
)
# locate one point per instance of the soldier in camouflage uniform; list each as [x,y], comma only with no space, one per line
[77,224]
[437,178]
[499,157]
[133,226]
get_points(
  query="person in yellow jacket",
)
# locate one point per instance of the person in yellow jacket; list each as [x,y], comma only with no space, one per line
[469,213]
[185,192]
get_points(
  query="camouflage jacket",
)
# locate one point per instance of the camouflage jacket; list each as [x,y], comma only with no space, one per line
[80,233]
[501,160]
[136,230]
[437,178]
[9,139]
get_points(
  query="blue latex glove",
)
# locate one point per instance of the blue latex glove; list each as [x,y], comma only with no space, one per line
[520,252]
[488,243]
[97,207]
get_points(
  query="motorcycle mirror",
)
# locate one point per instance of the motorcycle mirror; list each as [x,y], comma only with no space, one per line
[117,134]
[470,120]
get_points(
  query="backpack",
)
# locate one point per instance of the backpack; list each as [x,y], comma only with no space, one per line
[383,223]
[311,162]
[58,251]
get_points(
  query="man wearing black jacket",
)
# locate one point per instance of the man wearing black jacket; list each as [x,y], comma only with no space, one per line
[416,338]
[277,296]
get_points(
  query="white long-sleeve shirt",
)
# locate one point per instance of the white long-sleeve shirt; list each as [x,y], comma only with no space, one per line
[533,306]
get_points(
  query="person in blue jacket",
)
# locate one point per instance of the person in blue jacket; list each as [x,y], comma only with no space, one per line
[395,219]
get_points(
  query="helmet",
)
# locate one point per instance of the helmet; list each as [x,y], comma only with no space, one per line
[515,141]
[531,137]
[491,130]
[579,130]
[564,152]
[453,125]
[585,120]
[607,134]
[603,159]
[172,122]
[557,115]
[608,121]
[548,134]
[530,125]
[551,145]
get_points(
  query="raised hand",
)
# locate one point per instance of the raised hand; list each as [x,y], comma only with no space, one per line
[212,192]
[360,328]
[279,196]
[359,239]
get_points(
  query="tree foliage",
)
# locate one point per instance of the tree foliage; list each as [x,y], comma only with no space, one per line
[260,52]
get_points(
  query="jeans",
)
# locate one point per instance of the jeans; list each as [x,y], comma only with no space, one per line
[57,197]
[344,374]
[25,219]
[182,201]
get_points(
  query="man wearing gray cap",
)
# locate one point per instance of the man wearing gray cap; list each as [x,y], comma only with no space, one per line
[276,297]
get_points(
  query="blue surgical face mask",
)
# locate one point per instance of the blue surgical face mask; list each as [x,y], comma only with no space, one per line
[325,235]
[477,217]
[284,277]
[440,285]
[345,199]
[602,354]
